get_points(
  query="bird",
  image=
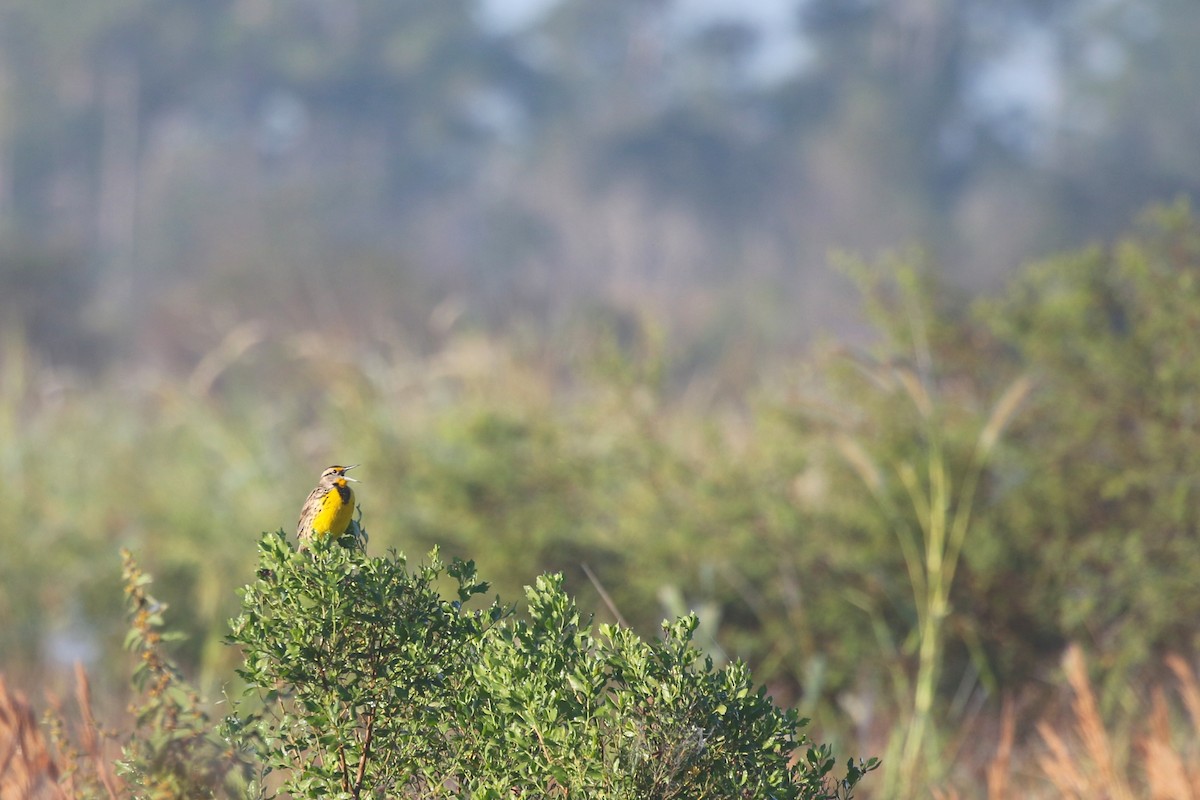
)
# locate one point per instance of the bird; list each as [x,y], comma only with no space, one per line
[329,507]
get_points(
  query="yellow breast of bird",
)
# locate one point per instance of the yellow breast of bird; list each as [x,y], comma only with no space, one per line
[336,509]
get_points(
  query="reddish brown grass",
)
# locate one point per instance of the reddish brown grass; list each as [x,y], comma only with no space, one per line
[1080,763]
[74,764]
[27,769]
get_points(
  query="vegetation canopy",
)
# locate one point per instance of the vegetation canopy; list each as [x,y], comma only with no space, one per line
[374,684]
[363,680]
[897,538]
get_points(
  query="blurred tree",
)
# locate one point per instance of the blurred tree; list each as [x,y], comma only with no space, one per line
[624,149]
[1129,121]
[1108,458]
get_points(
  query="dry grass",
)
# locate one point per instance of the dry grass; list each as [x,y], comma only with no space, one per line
[1081,762]
[1076,760]
[31,768]
[27,768]
[1173,772]
[1094,773]
[1080,758]
[89,765]
[1000,767]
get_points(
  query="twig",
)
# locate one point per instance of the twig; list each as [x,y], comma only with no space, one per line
[608,601]
[366,754]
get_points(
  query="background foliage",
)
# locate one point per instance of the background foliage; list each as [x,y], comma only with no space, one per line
[555,282]
[764,514]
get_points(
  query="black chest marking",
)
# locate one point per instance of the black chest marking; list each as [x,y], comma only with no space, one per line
[344,492]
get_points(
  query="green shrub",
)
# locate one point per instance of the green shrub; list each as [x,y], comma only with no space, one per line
[366,682]
[1105,498]
[173,751]
[1085,524]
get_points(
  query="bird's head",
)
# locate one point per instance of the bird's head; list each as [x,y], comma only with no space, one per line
[336,475]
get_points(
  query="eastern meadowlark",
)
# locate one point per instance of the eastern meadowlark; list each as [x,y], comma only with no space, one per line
[329,507]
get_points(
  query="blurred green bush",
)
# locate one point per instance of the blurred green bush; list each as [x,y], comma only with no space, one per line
[1103,501]
[755,510]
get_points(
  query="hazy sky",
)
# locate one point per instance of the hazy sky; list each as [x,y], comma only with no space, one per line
[780,53]
[513,13]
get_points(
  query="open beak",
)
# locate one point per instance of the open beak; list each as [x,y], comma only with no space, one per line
[347,469]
